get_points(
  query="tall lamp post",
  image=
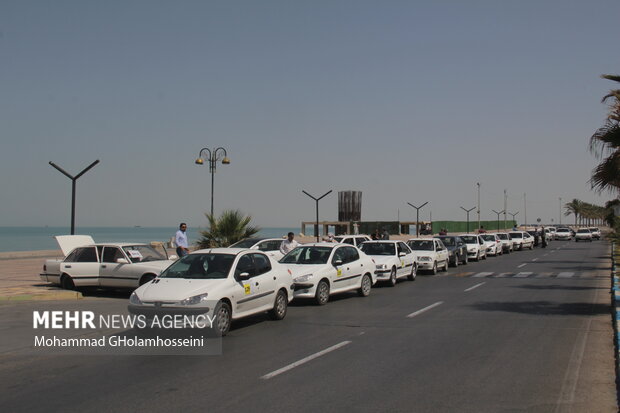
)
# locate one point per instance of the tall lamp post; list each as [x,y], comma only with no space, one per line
[560,210]
[73,188]
[478,183]
[498,214]
[213,157]
[417,217]
[316,226]
[468,211]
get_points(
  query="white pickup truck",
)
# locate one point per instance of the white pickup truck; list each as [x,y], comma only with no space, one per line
[106,265]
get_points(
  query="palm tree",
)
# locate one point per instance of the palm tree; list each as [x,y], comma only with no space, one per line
[573,207]
[605,144]
[230,227]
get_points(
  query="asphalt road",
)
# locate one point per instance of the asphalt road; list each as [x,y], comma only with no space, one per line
[530,331]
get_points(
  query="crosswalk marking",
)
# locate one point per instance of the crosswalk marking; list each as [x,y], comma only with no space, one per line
[523,275]
[566,274]
[482,274]
[504,275]
[529,274]
[544,275]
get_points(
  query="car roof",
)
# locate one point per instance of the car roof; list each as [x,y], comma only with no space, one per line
[234,251]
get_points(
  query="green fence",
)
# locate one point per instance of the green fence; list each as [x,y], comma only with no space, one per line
[461,226]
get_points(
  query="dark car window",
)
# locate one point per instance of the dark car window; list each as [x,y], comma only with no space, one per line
[402,247]
[351,254]
[448,241]
[262,263]
[378,248]
[111,254]
[270,245]
[245,264]
[340,255]
[88,254]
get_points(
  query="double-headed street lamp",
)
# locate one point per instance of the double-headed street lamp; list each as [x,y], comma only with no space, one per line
[316,226]
[498,214]
[417,216]
[513,216]
[468,211]
[213,157]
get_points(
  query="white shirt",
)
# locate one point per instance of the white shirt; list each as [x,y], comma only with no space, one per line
[181,239]
[287,246]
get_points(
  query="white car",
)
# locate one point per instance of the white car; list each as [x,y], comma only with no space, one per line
[550,233]
[223,283]
[521,240]
[493,244]
[430,253]
[506,241]
[270,246]
[393,259]
[596,233]
[105,265]
[324,268]
[475,247]
[583,234]
[355,240]
[563,233]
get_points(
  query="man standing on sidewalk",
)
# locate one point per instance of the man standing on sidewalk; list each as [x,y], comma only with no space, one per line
[181,240]
[288,244]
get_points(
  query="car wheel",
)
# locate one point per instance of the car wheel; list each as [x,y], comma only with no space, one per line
[446,264]
[392,280]
[279,306]
[414,271]
[478,256]
[456,260]
[434,270]
[223,318]
[66,282]
[322,293]
[465,260]
[365,287]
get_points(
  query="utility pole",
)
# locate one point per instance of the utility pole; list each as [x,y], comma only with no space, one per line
[478,183]
[560,210]
[525,211]
[505,207]
[468,211]
[417,217]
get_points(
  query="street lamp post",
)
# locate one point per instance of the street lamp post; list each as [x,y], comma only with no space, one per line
[417,217]
[468,211]
[560,210]
[513,216]
[498,214]
[73,188]
[212,157]
[478,183]
[316,226]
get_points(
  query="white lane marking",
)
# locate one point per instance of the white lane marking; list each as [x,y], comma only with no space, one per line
[304,360]
[571,377]
[535,259]
[475,286]
[504,275]
[545,255]
[523,275]
[552,251]
[424,309]
[482,274]
[565,274]
[522,265]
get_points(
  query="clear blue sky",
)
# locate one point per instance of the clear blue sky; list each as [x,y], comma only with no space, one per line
[407,101]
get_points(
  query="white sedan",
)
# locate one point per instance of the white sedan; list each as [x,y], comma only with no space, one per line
[270,246]
[222,283]
[583,234]
[521,240]
[106,265]
[322,269]
[394,259]
[563,234]
[506,241]
[493,244]
[430,253]
[475,247]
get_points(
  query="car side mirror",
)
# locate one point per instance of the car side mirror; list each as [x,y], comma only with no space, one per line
[244,276]
[337,263]
[173,257]
[122,261]
[401,254]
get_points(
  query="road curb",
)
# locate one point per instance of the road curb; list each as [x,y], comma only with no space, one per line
[615,302]
[46,296]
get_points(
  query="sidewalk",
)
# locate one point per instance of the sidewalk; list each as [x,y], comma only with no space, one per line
[19,278]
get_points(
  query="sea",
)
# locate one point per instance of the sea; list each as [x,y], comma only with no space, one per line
[41,238]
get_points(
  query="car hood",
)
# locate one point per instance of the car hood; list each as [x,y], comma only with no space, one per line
[424,253]
[176,289]
[68,243]
[303,269]
[157,266]
[382,259]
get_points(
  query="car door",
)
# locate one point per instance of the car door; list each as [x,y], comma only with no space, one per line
[342,269]
[406,260]
[247,286]
[82,265]
[265,280]
[442,253]
[113,273]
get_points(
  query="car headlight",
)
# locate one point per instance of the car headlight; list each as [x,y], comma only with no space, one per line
[302,278]
[134,299]
[381,266]
[425,259]
[197,299]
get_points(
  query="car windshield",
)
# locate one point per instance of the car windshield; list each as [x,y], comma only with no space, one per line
[421,245]
[142,253]
[488,237]
[563,230]
[470,239]
[245,243]
[516,235]
[378,248]
[594,229]
[583,231]
[307,255]
[502,236]
[448,241]
[200,266]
